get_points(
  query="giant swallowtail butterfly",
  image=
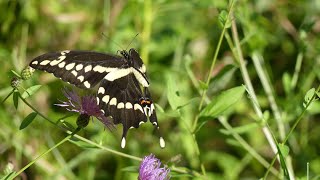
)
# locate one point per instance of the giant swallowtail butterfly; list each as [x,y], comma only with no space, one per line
[123,90]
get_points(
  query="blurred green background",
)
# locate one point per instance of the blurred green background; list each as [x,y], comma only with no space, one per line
[177,41]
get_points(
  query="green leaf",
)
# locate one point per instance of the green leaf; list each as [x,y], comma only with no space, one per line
[308,96]
[28,120]
[203,85]
[224,20]
[284,150]
[15,97]
[222,102]
[30,91]
[15,73]
[173,93]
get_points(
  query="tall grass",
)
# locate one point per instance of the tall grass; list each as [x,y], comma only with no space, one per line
[236,85]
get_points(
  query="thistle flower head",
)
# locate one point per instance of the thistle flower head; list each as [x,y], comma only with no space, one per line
[150,169]
[86,106]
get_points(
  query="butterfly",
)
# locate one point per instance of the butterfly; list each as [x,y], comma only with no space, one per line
[123,91]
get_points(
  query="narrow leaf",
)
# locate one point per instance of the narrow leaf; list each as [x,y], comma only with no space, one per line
[283,151]
[15,73]
[222,102]
[15,99]
[8,176]
[31,90]
[28,120]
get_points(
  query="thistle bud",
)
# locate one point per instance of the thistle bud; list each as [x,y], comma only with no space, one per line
[15,82]
[27,73]
[83,120]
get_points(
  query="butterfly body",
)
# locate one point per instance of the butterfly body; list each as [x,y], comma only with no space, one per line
[123,85]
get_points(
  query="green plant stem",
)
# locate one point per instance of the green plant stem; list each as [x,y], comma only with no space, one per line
[35,110]
[79,137]
[301,115]
[246,146]
[256,57]
[271,164]
[249,86]
[297,122]
[49,150]
[146,33]
[185,171]
[7,96]
[194,126]
[215,58]
[296,71]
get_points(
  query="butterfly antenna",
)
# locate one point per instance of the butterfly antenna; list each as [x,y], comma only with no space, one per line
[132,41]
[107,37]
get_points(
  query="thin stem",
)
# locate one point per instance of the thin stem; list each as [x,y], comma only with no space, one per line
[213,63]
[35,110]
[185,171]
[296,71]
[148,17]
[215,55]
[297,121]
[249,86]
[267,88]
[7,96]
[268,170]
[301,115]
[246,146]
[49,150]
[79,137]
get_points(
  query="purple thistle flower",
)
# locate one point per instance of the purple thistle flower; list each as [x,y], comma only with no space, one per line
[85,106]
[150,169]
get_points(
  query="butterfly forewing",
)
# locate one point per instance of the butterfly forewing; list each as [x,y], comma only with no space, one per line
[84,69]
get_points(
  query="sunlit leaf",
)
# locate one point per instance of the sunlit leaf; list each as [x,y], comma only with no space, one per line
[30,91]
[308,96]
[224,20]
[222,102]
[28,120]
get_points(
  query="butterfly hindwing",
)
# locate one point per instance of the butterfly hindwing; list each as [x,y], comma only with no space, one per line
[120,100]
[83,69]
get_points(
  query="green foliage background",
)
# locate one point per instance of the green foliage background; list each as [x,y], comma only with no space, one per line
[177,41]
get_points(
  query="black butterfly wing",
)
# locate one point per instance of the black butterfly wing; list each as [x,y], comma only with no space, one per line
[83,69]
[120,99]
